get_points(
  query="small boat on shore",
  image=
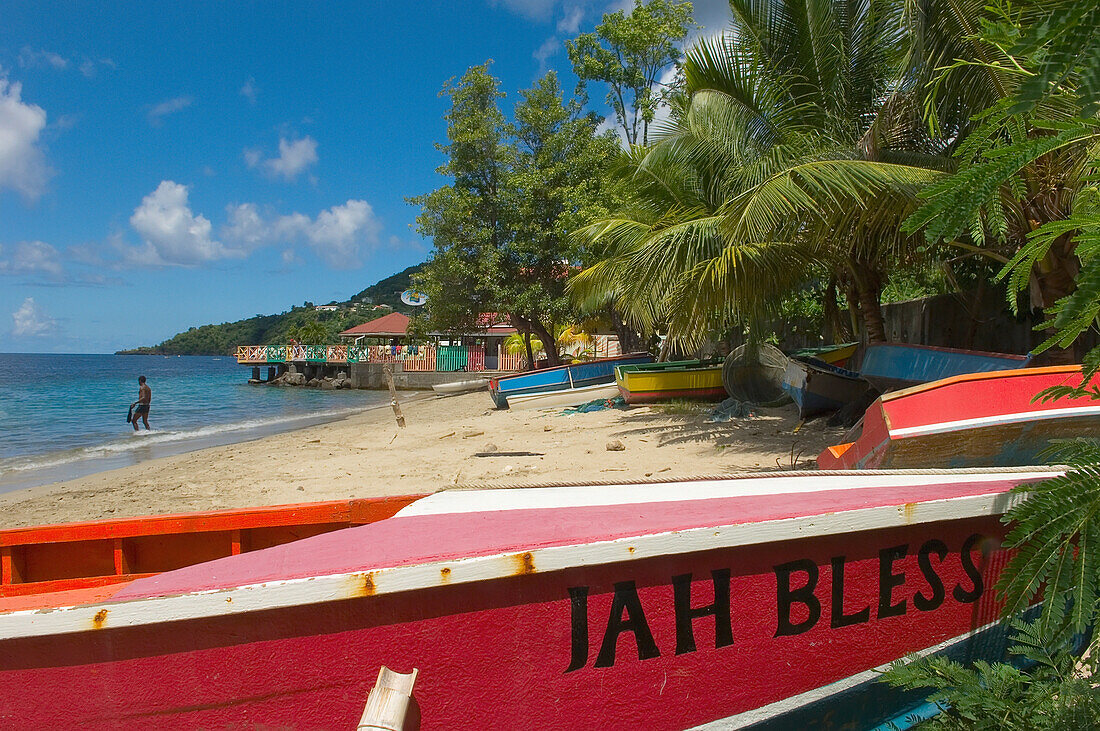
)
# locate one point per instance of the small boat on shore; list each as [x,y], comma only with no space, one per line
[667,605]
[817,387]
[973,420]
[685,379]
[575,375]
[837,355]
[475,384]
[890,366]
[562,398]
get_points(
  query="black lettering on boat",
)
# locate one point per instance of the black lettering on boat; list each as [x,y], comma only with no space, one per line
[839,618]
[787,597]
[920,601]
[969,596]
[625,600]
[578,602]
[888,581]
[685,613]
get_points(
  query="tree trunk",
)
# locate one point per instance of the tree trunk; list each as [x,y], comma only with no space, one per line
[549,345]
[629,340]
[1053,278]
[869,288]
[530,353]
[836,330]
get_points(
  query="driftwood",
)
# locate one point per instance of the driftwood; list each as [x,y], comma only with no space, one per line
[388,370]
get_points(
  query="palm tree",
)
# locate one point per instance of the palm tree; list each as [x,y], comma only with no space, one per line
[799,144]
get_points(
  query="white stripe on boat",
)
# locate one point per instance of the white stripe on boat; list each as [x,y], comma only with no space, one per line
[522,498]
[999,419]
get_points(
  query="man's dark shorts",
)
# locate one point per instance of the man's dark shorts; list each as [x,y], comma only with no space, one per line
[141,409]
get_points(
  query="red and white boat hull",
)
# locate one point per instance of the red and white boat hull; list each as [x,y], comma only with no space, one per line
[659,606]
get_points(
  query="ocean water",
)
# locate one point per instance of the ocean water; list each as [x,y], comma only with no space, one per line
[64,416]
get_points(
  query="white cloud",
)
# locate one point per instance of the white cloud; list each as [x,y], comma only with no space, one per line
[533,9]
[171,233]
[249,90]
[32,257]
[338,235]
[31,321]
[549,48]
[168,106]
[22,165]
[30,59]
[571,22]
[294,157]
[90,67]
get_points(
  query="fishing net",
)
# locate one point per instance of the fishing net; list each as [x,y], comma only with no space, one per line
[754,372]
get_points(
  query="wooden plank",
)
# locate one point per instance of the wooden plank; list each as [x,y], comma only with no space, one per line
[124,557]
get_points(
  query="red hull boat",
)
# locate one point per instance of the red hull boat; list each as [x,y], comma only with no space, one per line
[755,600]
[974,420]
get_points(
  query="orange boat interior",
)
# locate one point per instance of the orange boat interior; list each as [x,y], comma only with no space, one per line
[74,563]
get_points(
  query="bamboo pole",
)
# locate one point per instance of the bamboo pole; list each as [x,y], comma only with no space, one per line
[390,706]
[388,370]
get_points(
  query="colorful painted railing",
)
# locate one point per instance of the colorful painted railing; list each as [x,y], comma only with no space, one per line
[411,357]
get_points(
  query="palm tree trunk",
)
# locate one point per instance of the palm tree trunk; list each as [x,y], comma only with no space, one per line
[869,288]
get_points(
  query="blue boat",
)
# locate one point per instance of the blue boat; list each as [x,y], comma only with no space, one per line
[559,378]
[890,366]
[818,387]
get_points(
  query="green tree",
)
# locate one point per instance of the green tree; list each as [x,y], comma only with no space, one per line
[798,145]
[556,186]
[630,53]
[468,219]
[502,230]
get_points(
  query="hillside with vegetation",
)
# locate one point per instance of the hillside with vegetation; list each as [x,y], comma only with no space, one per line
[303,322]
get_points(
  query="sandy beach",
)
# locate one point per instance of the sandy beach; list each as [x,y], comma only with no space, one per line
[447,442]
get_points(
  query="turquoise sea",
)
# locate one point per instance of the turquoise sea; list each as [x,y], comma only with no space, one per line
[65,415]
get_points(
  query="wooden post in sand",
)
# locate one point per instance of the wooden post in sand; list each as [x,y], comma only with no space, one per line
[388,370]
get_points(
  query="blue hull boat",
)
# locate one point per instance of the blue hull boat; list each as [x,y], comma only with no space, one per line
[890,366]
[559,378]
[817,387]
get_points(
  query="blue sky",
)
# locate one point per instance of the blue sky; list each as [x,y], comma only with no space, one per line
[166,165]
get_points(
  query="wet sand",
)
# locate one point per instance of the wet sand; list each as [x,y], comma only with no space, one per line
[367,455]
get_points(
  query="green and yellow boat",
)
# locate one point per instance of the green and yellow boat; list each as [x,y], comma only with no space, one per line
[685,379]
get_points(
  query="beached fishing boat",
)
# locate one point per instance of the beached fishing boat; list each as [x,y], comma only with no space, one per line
[817,387]
[979,419]
[685,379]
[837,355]
[575,375]
[899,365]
[770,600]
[475,384]
[563,397]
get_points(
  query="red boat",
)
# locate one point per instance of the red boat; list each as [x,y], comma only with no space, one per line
[752,600]
[973,420]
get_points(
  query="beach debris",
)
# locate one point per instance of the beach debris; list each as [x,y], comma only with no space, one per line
[301,488]
[599,404]
[490,447]
[664,469]
[731,409]
[313,441]
[469,434]
[546,428]
[387,369]
[449,434]
[508,454]
[615,445]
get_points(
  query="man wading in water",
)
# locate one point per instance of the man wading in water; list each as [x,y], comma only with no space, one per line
[145,395]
